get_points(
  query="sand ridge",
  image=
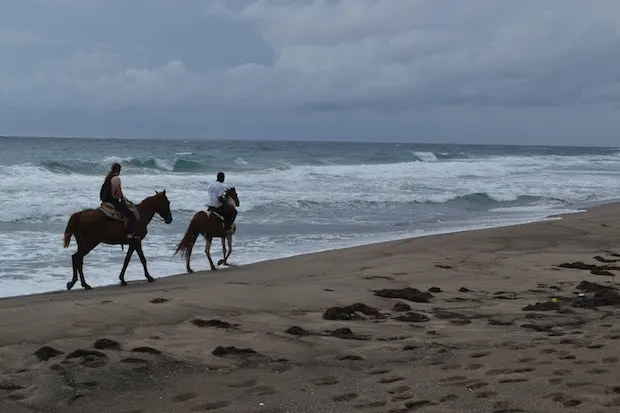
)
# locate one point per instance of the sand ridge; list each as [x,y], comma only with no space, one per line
[518,319]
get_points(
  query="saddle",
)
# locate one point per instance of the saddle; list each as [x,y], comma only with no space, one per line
[233,227]
[110,212]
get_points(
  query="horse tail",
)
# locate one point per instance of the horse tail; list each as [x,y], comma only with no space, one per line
[189,239]
[70,230]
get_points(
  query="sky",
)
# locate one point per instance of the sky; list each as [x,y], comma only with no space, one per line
[475,71]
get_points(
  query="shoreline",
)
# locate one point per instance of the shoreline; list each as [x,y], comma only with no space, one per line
[444,323]
[198,252]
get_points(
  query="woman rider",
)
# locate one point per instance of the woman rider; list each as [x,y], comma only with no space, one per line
[112,192]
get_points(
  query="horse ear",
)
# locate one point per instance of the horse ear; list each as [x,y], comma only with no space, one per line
[163,192]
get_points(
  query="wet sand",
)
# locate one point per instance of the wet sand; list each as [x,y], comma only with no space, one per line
[517,319]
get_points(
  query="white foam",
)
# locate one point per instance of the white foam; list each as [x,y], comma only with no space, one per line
[34,196]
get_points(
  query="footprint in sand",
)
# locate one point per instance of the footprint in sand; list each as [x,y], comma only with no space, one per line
[523,370]
[451,367]
[183,397]
[556,381]
[478,385]
[610,360]
[579,384]
[486,395]
[247,383]
[598,371]
[370,405]
[479,354]
[452,380]
[449,398]
[474,367]
[379,371]
[263,390]
[327,381]
[401,397]
[388,380]
[513,380]
[399,389]
[210,406]
[347,397]
[413,406]
[497,372]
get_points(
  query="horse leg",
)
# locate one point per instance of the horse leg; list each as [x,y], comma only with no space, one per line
[130,250]
[223,260]
[188,254]
[71,283]
[143,261]
[208,252]
[83,250]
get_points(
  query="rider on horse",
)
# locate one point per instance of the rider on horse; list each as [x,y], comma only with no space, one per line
[112,192]
[215,196]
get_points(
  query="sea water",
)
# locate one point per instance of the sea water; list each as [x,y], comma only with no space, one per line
[296,197]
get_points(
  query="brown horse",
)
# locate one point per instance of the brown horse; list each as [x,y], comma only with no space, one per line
[210,225]
[92,227]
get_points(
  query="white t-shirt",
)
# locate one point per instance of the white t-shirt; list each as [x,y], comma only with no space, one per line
[214,191]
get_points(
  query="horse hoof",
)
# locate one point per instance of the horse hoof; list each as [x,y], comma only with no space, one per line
[220,262]
[189,270]
[69,285]
[213,269]
[123,283]
[87,287]
[150,279]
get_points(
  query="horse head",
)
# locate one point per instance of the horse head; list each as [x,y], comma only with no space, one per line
[231,193]
[161,206]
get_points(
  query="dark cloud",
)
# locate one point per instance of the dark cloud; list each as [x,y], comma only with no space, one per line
[173,60]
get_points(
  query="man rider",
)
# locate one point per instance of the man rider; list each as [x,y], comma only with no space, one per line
[112,192]
[215,193]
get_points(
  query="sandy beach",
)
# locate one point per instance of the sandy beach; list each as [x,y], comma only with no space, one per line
[515,319]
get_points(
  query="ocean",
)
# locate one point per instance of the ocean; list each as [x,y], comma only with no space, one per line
[296,197]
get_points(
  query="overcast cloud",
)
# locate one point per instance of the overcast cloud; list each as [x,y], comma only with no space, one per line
[419,70]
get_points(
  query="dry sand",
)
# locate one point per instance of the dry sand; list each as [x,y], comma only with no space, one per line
[471,345]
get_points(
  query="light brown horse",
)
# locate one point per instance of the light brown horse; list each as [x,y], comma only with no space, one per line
[91,227]
[210,225]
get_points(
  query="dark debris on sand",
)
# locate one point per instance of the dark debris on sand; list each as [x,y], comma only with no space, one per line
[600,298]
[346,334]
[351,357]
[90,358]
[46,352]
[591,287]
[412,317]
[542,306]
[198,322]
[106,344]
[148,350]
[578,265]
[407,293]
[401,307]
[605,260]
[298,331]
[222,351]
[350,312]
